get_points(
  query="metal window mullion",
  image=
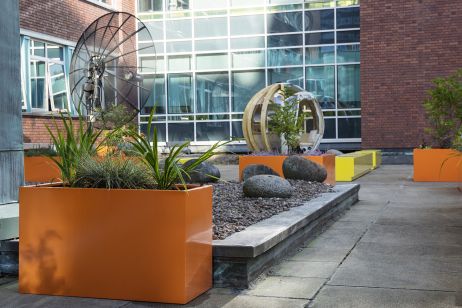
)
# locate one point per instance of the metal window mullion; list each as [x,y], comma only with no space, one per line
[335,72]
[230,106]
[193,76]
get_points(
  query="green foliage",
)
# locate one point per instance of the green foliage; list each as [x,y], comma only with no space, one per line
[444,111]
[112,172]
[114,117]
[286,121]
[171,172]
[72,144]
[40,152]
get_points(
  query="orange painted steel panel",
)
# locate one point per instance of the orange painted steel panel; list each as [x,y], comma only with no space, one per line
[40,169]
[142,245]
[429,166]
[275,162]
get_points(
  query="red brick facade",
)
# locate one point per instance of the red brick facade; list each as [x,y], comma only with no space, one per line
[404,45]
[64,19]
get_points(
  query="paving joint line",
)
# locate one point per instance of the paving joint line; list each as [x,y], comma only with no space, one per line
[388,288]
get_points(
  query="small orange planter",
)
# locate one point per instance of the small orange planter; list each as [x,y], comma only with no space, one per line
[437,165]
[142,245]
[40,169]
[275,163]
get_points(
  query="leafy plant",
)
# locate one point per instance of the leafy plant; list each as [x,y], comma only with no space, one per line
[40,152]
[72,144]
[171,173]
[112,172]
[444,111]
[114,117]
[286,121]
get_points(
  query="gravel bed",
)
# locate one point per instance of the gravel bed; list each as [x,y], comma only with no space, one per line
[233,212]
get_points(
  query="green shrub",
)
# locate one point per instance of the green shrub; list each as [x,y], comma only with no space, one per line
[40,152]
[112,172]
[444,111]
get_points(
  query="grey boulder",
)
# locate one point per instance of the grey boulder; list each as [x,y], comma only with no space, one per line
[298,168]
[203,173]
[334,152]
[254,169]
[267,186]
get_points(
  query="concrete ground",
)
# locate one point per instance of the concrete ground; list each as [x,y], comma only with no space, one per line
[400,246]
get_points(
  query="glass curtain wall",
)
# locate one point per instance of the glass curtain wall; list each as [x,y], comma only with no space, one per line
[213,56]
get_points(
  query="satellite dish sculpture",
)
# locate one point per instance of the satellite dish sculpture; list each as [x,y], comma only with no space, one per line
[104,70]
[257,115]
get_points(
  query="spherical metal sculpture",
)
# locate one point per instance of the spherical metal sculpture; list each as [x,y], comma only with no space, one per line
[258,113]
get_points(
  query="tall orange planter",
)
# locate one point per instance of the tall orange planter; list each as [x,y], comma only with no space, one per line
[275,162]
[437,165]
[142,245]
[40,169]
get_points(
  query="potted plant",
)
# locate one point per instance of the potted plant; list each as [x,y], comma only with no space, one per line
[287,123]
[38,167]
[444,112]
[117,228]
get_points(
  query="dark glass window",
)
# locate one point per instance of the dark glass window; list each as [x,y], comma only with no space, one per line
[320,55]
[157,97]
[180,93]
[349,95]
[293,75]
[285,22]
[179,132]
[237,129]
[285,40]
[319,38]
[285,57]
[349,128]
[161,130]
[320,80]
[244,85]
[329,128]
[319,20]
[212,131]
[347,53]
[348,18]
[212,92]
[348,36]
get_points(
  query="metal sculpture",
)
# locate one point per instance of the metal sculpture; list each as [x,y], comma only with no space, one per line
[257,115]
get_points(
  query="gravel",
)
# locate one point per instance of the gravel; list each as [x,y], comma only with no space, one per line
[233,212]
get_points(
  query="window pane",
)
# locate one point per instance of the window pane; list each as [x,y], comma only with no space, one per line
[320,55]
[38,93]
[320,82]
[207,4]
[347,53]
[60,101]
[247,2]
[329,128]
[179,63]
[209,45]
[157,97]
[348,36]
[285,40]
[237,129]
[349,128]
[38,48]
[247,24]
[148,5]
[293,75]
[319,38]
[179,91]
[285,22]
[348,86]
[348,18]
[146,48]
[212,61]
[178,29]
[212,93]
[319,20]
[57,77]
[212,131]
[210,27]
[156,28]
[248,42]
[54,52]
[108,92]
[284,57]
[245,59]
[180,132]
[152,64]
[160,127]
[182,46]
[177,5]
[244,86]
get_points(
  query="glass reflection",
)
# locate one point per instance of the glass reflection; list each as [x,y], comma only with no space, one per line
[320,55]
[212,94]
[349,128]
[349,95]
[320,81]
[348,18]
[319,20]
[179,132]
[293,75]
[285,57]
[285,22]
[212,131]
[179,93]
[157,98]
[244,85]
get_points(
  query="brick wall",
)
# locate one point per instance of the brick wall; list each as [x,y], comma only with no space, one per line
[65,19]
[404,45]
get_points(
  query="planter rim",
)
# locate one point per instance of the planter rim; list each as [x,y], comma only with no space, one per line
[282,155]
[59,185]
[437,149]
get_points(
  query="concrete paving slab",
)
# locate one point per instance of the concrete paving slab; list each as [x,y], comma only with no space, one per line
[418,216]
[357,297]
[288,287]
[331,254]
[304,269]
[340,241]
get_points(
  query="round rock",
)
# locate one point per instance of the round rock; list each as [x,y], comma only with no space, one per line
[267,186]
[298,168]
[203,173]
[334,152]
[254,169]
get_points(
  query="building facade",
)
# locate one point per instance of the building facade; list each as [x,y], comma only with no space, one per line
[213,56]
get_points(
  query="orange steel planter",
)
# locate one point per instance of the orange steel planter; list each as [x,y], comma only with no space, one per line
[40,169]
[437,165]
[142,245]
[275,162]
